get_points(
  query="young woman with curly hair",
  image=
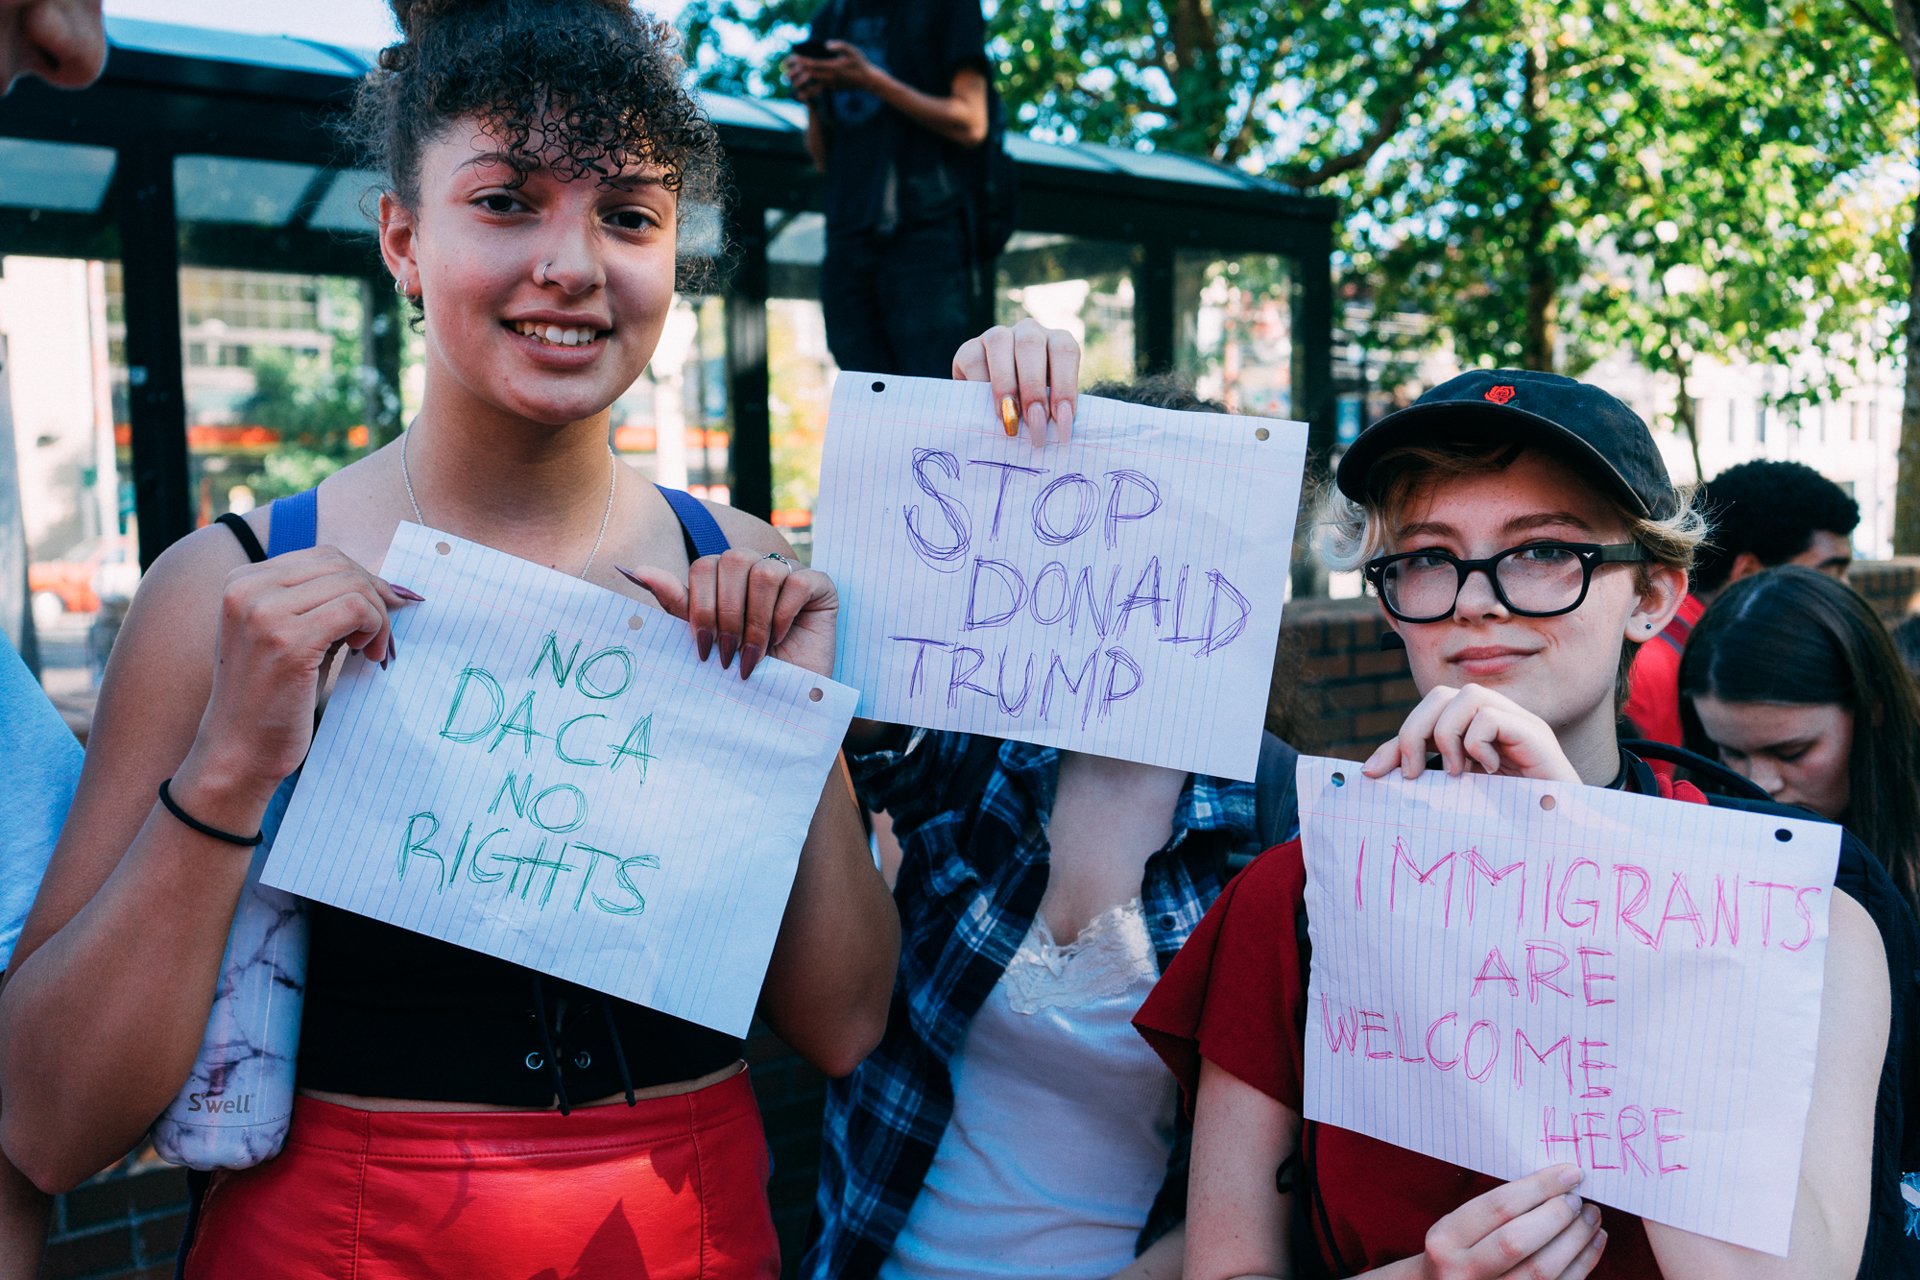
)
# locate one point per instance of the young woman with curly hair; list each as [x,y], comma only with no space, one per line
[543,161]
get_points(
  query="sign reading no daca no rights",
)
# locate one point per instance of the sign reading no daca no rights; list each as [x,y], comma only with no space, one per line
[1119,595]
[548,774]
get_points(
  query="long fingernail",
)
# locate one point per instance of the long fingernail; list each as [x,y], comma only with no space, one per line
[1009,415]
[405,594]
[703,641]
[729,645]
[1063,413]
[1037,419]
[393,649]
[749,658]
[628,575]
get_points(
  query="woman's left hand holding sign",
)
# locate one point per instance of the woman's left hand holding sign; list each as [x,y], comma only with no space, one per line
[752,604]
[281,623]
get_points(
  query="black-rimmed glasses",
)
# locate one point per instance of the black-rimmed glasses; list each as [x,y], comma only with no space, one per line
[1538,580]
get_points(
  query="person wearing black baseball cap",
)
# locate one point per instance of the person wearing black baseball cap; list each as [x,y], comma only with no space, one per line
[1520,531]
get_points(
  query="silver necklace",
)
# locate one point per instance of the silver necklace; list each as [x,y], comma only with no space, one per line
[613,483]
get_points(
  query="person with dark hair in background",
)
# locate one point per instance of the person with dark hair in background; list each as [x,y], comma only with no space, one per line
[897,99]
[1792,679]
[1764,514]
[1010,1122]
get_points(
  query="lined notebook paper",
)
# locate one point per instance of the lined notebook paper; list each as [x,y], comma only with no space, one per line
[548,774]
[1119,595]
[1509,974]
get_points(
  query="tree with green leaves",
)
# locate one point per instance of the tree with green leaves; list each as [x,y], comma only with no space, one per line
[314,404]
[1550,180]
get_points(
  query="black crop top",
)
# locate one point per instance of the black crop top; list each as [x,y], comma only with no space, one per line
[395,1014]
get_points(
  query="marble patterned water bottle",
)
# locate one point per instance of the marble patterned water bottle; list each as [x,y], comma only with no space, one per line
[234,1109]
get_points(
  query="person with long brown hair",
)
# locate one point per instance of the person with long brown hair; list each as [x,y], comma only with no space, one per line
[1792,679]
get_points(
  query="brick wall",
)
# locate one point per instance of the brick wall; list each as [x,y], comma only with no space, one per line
[793,1100]
[125,1223]
[1335,692]
[1890,585]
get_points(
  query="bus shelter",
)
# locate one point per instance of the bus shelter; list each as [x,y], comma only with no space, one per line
[196,320]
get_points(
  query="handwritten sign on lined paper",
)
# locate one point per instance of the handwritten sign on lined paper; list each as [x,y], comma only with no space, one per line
[1509,974]
[1119,595]
[548,774]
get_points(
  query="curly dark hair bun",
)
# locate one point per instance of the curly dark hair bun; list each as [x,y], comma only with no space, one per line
[412,14]
[583,88]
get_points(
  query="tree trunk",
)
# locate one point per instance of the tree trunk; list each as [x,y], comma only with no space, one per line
[1542,288]
[1687,410]
[1906,490]
[1906,493]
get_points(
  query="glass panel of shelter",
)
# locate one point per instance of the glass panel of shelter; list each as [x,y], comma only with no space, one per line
[800,369]
[1233,327]
[673,424]
[291,339]
[1082,285]
[63,407]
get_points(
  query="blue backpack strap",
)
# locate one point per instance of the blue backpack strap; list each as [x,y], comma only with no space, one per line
[296,523]
[702,532]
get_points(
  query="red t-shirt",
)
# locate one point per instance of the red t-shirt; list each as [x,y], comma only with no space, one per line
[1653,685]
[1235,996]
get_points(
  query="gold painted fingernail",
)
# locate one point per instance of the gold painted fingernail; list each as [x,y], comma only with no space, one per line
[1010,415]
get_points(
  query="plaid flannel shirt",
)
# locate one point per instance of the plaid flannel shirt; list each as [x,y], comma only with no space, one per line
[971,877]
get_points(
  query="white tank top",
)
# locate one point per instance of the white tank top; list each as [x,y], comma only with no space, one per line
[1062,1119]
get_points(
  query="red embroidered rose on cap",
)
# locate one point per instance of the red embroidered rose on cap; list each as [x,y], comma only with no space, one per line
[1500,394]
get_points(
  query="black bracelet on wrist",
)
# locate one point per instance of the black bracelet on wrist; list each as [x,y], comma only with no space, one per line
[244,841]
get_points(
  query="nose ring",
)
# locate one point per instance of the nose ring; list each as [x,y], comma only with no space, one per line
[543,273]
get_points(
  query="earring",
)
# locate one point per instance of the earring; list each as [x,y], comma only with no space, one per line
[400,287]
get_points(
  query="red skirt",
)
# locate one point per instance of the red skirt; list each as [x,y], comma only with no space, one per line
[674,1187]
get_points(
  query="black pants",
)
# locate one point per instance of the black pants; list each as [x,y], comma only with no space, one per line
[900,303]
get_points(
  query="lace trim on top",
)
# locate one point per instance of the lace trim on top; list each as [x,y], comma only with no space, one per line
[1111,954]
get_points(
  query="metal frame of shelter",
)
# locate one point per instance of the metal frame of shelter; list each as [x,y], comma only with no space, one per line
[170,91]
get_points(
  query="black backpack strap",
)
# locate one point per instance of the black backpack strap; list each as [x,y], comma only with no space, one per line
[1276,798]
[1296,1174]
[1891,1248]
[244,532]
[1697,765]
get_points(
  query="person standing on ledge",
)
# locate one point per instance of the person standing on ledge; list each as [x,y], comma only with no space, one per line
[897,98]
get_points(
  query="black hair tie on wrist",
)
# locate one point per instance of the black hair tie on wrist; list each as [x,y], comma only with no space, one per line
[173,808]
